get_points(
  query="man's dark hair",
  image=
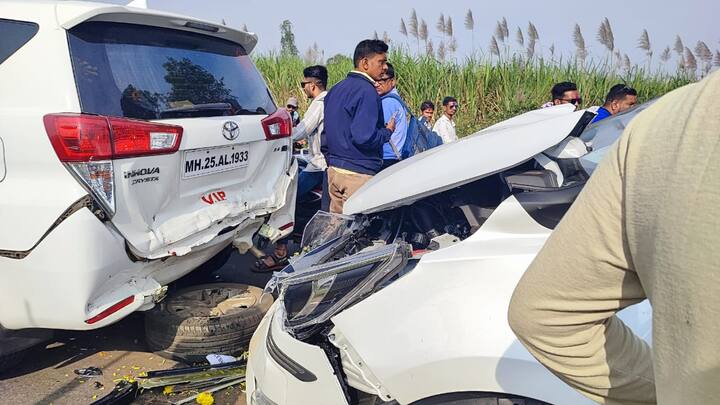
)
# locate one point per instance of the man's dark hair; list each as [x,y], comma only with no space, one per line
[427,104]
[317,72]
[559,89]
[367,48]
[390,71]
[447,100]
[618,92]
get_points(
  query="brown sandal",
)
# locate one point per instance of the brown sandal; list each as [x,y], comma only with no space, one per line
[261,267]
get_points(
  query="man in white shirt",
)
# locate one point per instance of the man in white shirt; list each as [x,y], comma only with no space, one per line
[310,128]
[445,125]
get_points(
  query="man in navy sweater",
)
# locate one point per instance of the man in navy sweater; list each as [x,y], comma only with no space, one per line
[355,130]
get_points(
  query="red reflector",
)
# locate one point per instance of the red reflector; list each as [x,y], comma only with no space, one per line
[277,125]
[85,138]
[79,138]
[286,226]
[116,307]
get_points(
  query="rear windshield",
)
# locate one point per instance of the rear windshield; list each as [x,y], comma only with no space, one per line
[135,71]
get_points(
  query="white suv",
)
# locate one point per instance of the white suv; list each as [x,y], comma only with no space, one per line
[134,146]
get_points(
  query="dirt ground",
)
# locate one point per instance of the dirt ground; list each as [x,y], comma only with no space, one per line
[46,375]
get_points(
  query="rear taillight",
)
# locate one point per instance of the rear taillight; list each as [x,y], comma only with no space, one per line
[85,138]
[277,125]
[89,143]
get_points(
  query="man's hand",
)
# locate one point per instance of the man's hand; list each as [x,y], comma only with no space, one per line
[391,124]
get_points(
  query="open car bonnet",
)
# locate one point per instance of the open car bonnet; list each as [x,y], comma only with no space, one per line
[486,152]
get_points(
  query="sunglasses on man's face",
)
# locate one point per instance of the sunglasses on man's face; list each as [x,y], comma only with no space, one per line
[453,106]
[303,84]
[575,101]
[291,106]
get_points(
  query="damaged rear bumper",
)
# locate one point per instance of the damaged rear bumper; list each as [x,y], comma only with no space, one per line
[179,235]
[68,281]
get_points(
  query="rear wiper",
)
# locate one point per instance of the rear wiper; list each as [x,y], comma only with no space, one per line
[205,110]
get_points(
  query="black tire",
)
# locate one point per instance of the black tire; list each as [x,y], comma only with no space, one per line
[478,398]
[217,318]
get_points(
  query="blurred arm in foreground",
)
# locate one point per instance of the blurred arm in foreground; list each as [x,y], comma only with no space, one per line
[646,225]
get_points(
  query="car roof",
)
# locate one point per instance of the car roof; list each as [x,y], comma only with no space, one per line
[67,14]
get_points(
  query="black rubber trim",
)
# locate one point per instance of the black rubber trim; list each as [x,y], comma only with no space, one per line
[583,122]
[290,365]
[84,202]
[547,207]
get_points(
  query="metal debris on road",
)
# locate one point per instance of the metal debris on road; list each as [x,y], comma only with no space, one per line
[89,372]
[208,378]
[123,394]
[209,391]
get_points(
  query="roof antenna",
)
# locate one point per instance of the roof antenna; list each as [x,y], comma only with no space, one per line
[138,4]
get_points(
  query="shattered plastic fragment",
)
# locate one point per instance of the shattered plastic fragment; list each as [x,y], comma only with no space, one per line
[219,359]
[88,372]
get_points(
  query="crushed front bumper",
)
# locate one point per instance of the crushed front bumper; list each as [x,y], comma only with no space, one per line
[283,370]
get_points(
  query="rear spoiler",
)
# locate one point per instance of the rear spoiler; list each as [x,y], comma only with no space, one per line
[70,14]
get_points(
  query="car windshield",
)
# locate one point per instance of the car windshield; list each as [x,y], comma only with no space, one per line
[134,71]
[601,135]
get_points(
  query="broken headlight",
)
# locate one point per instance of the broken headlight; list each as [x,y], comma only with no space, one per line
[316,294]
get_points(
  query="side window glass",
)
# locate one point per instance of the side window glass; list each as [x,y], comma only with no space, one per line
[15,34]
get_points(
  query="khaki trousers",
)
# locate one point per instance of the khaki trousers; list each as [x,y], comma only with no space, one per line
[342,185]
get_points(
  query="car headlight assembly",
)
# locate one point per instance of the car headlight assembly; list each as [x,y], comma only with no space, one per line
[318,293]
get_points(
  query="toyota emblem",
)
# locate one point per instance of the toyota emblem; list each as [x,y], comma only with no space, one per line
[230,130]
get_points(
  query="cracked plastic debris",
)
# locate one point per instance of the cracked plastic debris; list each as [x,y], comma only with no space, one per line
[207,378]
[88,372]
[324,227]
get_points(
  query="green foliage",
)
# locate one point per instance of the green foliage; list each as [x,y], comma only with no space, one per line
[488,91]
[339,59]
[287,39]
[192,82]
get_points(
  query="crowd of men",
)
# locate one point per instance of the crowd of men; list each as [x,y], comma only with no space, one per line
[627,237]
[358,128]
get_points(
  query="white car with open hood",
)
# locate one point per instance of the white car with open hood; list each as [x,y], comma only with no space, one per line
[405,298]
[134,146]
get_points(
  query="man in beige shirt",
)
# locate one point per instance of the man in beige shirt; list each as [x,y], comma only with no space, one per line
[647,225]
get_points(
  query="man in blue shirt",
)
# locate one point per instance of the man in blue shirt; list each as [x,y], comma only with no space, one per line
[355,129]
[392,107]
[619,98]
